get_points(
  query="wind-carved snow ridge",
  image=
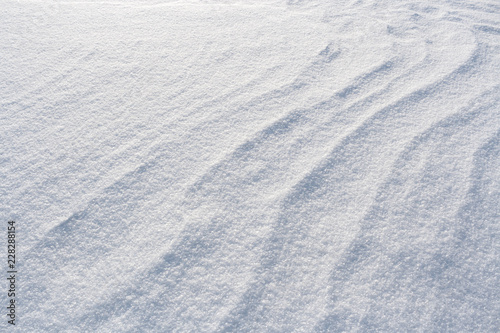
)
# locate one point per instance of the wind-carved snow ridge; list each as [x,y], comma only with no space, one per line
[253,166]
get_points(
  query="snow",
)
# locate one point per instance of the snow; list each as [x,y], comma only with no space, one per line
[252,166]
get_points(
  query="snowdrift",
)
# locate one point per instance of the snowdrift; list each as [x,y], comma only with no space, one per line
[252,166]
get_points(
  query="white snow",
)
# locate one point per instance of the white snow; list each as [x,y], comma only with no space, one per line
[252,166]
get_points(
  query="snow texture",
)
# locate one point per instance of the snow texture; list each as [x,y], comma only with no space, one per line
[252,166]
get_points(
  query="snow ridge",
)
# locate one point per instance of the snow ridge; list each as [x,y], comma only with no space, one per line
[244,166]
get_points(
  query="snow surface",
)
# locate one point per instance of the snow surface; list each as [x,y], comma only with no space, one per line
[252,166]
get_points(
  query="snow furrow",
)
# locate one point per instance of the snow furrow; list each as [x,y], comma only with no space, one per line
[252,166]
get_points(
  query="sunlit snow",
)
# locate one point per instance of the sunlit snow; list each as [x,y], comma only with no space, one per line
[252,166]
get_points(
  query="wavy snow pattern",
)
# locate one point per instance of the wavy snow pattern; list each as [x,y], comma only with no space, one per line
[244,166]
